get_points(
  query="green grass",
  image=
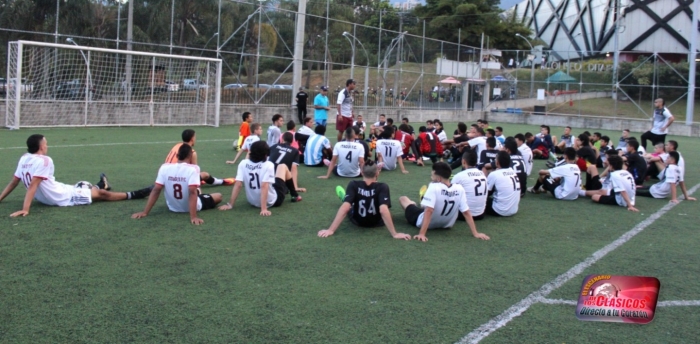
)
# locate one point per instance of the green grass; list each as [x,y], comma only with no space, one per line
[93,274]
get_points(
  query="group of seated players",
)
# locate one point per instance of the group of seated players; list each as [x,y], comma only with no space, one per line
[492,180]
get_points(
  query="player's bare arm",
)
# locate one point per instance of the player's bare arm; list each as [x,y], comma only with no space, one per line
[427,215]
[674,194]
[31,191]
[403,169]
[330,167]
[193,194]
[9,188]
[263,199]
[472,226]
[389,223]
[194,158]
[234,194]
[238,155]
[295,174]
[626,197]
[339,217]
[152,199]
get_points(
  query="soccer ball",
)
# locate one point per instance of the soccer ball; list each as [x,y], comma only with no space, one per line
[83,185]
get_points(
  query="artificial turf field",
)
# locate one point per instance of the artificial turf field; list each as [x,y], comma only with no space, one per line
[93,274]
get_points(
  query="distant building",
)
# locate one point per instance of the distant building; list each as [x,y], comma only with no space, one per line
[583,29]
[406,5]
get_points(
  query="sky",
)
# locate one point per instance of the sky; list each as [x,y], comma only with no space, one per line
[505,4]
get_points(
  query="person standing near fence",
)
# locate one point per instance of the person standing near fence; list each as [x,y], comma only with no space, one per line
[660,123]
[321,107]
[301,99]
[345,108]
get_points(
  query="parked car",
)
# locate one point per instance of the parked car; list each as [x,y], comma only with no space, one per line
[172,86]
[193,84]
[72,90]
[235,86]
[26,85]
[283,87]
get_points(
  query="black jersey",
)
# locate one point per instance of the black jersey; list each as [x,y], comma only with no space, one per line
[517,163]
[488,156]
[283,153]
[365,200]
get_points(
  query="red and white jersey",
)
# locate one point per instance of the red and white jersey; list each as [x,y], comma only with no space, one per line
[50,192]
[176,180]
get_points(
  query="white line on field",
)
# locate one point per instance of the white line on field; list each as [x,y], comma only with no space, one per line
[539,295]
[114,144]
[680,303]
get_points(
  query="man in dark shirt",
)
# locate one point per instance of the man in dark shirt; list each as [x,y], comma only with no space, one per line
[636,165]
[284,153]
[368,202]
[301,99]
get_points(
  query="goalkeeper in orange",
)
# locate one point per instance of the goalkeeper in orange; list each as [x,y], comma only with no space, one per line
[189,138]
[244,131]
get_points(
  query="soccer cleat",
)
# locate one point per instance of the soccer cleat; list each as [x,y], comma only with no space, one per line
[340,192]
[533,190]
[228,181]
[425,158]
[296,199]
[422,191]
[103,183]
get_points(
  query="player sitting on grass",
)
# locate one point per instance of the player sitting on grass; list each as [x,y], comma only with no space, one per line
[378,126]
[636,165]
[563,181]
[362,125]
[35,170]
[264,187]
[244,131]
[473,181]
[622,190]
[669,178]
[488,156]
[504,187]
[367,201]
[538,147]
[256,130]
[604,147]
[318,148]
[274,134]
[517,163]
[181,183]
[189,138]
[426,145]
[284,153]
[441,203]
[671,146]
[389,151]
[525,151]
[566,140]
[348,155]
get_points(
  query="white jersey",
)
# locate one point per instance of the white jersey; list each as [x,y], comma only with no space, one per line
[446,202]
[349,154]
[49,192]
[681,165]
[526,152]
[176,180]
[253,175]
[442,136]
[570,183]
[390,151]
[304,130]
[506,191]
[473,181]
[669,177]
[623,181]
[249,142]
[478,143]
[660,120]
[362,125]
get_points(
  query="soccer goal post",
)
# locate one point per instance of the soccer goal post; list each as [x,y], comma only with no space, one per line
[64,85]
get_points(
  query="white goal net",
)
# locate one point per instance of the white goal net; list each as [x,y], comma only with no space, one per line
[53,85]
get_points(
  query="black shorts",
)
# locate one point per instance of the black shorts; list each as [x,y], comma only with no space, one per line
[550,185]
[412,213]
[281,189]
[609,199]
[489,208]
[207,202]
[460,217]
[335,171]
[365,224]
[594,184]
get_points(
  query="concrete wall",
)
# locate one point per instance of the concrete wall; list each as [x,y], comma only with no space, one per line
[530,102]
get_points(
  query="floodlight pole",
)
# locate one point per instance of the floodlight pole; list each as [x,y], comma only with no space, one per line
[352,43]
[690,108]
[532,64]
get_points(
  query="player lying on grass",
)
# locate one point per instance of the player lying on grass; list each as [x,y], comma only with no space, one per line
[348,155]
[668,179]
[284,153]
[562,181]
[256,131]
[35,169]
[189,137]
[441,203]
[367,202]
[622,187]
[389,151]
[181,183]
[264,187]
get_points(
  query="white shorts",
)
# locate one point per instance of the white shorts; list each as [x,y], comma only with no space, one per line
[80,196]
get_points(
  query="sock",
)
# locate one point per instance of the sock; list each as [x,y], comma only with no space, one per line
[537,185]
[209,180]
[139,194]
[290,186]
[100,185]
[217,181]
[582,193]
